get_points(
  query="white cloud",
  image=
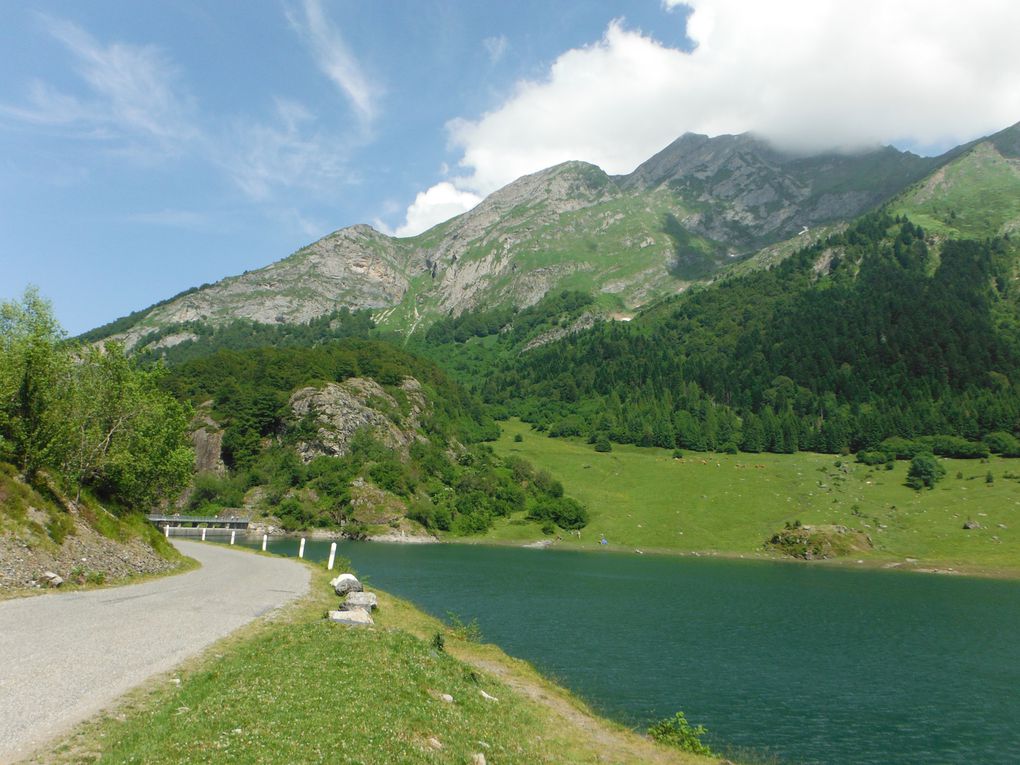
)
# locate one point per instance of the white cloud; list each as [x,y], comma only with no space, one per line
[496,47]
[335,59]
[289,152]
[435,205]
[825,74]
[133,94]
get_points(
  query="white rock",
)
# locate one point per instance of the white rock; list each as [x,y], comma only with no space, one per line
[446,697]
[53,580]
[435,743]
[366,601]
[355,618]
[478,759]
[346,583]
[488,697]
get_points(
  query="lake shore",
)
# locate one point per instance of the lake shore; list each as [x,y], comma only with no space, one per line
[391,680]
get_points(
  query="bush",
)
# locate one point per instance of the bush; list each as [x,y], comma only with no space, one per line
[602,443]
[901,448]
[565,512]
[677,732]
[924,471]
[874,457]
[518,438]
[1003,443]
[954,446]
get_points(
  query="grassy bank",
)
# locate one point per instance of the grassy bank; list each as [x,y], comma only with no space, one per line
[730,504]
[297,688]
[44,529]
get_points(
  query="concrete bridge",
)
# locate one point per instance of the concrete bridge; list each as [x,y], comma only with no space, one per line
[192,525]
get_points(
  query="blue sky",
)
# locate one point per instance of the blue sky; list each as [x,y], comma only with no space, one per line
[146,148]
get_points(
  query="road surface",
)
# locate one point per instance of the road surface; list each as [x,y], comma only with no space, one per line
[64,657]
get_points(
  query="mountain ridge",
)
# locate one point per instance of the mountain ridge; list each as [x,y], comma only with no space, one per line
[694,208]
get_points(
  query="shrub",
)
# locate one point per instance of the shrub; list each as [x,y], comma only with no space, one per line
[602,443]
[438,642]
[954,446]
[677,732]
[518,438]
[1003,443]
[565,512]
[874,457]
[924,471]
[901,448]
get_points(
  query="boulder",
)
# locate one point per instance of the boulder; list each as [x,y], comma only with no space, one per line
[969,525]
[51,579]
[355,618]
[366,601]
[346,583]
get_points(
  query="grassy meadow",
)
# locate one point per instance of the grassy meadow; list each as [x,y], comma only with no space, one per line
[643,498]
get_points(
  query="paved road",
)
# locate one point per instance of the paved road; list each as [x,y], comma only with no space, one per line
[64,657]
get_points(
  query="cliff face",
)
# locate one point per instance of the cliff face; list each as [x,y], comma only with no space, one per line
[695,207]
[336,411]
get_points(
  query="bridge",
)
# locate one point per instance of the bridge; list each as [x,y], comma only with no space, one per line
[189,525]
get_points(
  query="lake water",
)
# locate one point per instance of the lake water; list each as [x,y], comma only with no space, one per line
[806,664]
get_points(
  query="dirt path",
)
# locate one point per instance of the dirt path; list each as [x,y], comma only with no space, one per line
[64,657]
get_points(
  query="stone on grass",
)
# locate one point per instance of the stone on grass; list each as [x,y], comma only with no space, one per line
[51,579]
[366,601]
[487,696]
[969,525]
[446,697]
[435,743]
[346,583]
[355,618]
[478,759]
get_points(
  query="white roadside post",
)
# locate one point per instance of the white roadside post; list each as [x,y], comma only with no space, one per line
[203,535]
[166,530]
[232,532]
[301,548]
[332,556]
[265,537]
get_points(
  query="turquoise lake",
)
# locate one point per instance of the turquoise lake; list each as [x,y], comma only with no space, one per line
[803,664]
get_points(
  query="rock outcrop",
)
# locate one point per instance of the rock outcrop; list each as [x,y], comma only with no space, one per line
[339,410]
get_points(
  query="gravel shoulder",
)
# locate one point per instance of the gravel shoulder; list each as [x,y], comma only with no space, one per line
[67,656]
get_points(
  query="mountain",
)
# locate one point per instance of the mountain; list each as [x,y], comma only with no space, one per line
[878,331]
[698,206]
[975,194]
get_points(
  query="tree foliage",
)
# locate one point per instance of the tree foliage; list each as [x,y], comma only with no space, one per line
[93,415]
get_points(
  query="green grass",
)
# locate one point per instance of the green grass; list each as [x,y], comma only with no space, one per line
[976,195]
[301,689]
[729,504]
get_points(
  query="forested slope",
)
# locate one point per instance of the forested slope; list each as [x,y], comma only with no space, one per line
[874,332]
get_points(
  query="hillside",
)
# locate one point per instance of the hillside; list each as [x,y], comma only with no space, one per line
[357,438]
[43,530]
[877,331]
[699,205]
[975,195]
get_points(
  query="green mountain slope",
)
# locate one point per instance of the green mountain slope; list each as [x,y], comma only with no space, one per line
[875,332]
[976,194]
[698,206]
